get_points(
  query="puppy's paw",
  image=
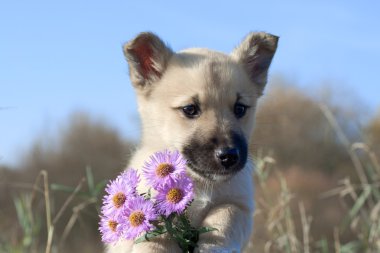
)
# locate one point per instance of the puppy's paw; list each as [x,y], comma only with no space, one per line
[159,245]
[208,248]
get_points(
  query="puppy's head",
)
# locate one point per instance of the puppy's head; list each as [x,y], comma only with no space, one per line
[199,101]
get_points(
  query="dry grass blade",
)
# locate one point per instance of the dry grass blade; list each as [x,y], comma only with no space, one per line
[49,224]
[68,200]
[44,175]
[371,154]
[49,242]
[337,241]
[354,158]
[306,221]
[348,189]
[76,210]
[333,192]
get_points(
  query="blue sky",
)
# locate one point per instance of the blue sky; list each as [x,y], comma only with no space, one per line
[57,57]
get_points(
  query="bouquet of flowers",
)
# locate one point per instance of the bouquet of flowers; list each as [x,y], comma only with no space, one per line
[126,214]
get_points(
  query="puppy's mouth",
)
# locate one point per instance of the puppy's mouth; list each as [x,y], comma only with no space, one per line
[216,161]
[213,175]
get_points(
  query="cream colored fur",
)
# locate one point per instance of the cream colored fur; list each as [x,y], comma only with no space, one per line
[171,82]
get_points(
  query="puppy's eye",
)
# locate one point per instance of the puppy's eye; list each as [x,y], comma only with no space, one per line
[191,111]
[240,110]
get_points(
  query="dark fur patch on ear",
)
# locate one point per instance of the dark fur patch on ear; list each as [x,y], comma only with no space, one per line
[148,57]
[261,61]
[255,53]
[144,53]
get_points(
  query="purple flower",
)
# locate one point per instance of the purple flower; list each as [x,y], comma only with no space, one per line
[119,190]
[163,168]
[136,217]
[131,177]
[109,229]
[174,196]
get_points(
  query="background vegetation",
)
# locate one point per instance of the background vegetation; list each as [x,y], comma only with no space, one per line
[317,180]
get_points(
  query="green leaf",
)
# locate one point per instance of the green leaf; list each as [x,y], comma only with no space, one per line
[149,236]
[168,221]
[184,220]
[361,200]
[351,247]
[99,186]
[169,226]
[358,205]
[323,245]
[64,188]
[90,180]
[68,189]
[203,230]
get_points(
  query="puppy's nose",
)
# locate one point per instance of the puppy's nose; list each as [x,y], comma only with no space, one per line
[228,157]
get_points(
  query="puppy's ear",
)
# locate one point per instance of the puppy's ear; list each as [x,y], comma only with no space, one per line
[147,56]
[255,53]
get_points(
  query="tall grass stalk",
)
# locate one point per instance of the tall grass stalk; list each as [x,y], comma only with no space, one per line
[360,196]
[30,221]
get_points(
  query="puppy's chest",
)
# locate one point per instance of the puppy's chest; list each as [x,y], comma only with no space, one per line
[238,191]
[200,206]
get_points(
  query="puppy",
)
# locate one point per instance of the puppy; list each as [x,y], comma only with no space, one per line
[202,103]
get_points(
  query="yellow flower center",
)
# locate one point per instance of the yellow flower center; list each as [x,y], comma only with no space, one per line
[136,218]
[174,195]
[112,224]
[164,169]
[119,199]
